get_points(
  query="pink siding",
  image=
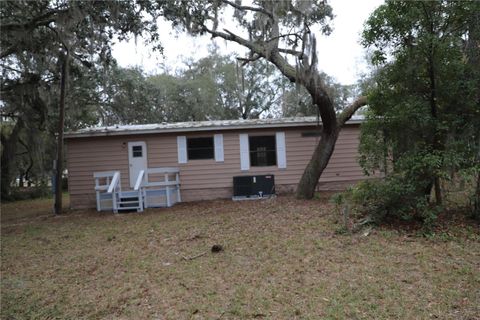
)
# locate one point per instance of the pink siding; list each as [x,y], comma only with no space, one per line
[206,179]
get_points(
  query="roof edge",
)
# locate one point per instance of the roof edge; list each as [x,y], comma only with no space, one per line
[246,126]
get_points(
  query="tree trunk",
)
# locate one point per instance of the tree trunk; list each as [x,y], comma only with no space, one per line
[473,54]
[438,191]
[436,137]
[29,169]
[9,146]
[305,74]
[61,122]
[427,190]
[476,205]
[20,179]
[318,163]
[324,150]
[436,142]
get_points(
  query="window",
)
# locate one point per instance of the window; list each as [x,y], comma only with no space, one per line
[262,151]
[137,151]
[200,148]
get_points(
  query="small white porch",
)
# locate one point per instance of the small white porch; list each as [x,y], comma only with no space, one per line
[154,188]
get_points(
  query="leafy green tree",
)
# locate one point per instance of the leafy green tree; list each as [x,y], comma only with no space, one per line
[25,113]
[424,105]
[127,97]
[259,88]
[217,87]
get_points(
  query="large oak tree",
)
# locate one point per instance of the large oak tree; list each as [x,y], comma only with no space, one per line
[283,33]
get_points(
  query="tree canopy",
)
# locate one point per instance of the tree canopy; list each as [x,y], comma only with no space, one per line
[280,36]
[41,40]
[423,120]
[423,102]
[282,33]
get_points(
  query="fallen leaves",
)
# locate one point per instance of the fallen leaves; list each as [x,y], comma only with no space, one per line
[284,260]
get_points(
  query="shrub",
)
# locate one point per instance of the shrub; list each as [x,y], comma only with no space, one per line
[391,198]
[28,193]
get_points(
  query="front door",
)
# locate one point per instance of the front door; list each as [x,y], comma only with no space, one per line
[137,159]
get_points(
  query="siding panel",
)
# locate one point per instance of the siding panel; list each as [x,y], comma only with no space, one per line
[88,155]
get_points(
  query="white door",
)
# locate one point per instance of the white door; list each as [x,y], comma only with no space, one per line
[137,159]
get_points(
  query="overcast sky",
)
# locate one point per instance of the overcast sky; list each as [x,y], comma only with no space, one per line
[340,54]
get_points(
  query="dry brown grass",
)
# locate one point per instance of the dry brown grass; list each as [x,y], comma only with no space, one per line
[283,259]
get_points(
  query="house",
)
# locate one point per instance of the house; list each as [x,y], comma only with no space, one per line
[207,155]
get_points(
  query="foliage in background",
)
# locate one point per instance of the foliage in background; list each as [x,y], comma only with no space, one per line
[280,33]
[212,88]
[36,37]
[297,102]
[423,122]
[40,40]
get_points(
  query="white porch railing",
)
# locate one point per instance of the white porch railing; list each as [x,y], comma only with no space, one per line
[137,188]
[161,187]
[107,187]
[154,187]
[139,181]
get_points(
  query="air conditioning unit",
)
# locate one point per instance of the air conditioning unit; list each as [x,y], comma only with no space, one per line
[253,187]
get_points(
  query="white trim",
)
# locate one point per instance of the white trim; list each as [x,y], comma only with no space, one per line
[218,145]
[114,183]
[162,170]
[244,152]
[139,181]
[104,174]
[281,150]
[182,149]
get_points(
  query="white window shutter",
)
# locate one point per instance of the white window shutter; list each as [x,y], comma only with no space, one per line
[244,152]
[218,142]
[182,149]
[281,150]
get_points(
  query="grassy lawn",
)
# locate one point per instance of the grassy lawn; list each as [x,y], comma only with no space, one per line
[28,210]
[282,259]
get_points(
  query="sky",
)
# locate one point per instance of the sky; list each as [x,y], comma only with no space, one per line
[340,54]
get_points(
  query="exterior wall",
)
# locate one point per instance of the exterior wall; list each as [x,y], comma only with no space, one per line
[207,179]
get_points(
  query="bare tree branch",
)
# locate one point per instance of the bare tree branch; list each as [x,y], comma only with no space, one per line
[305,74]
[228,35]
[348,112]
[284,36]
[4,66]
[43,20]
[248,60]
[81,59]
[290,51]
[9,115]
[21,153]
[10,50]
[256,9]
